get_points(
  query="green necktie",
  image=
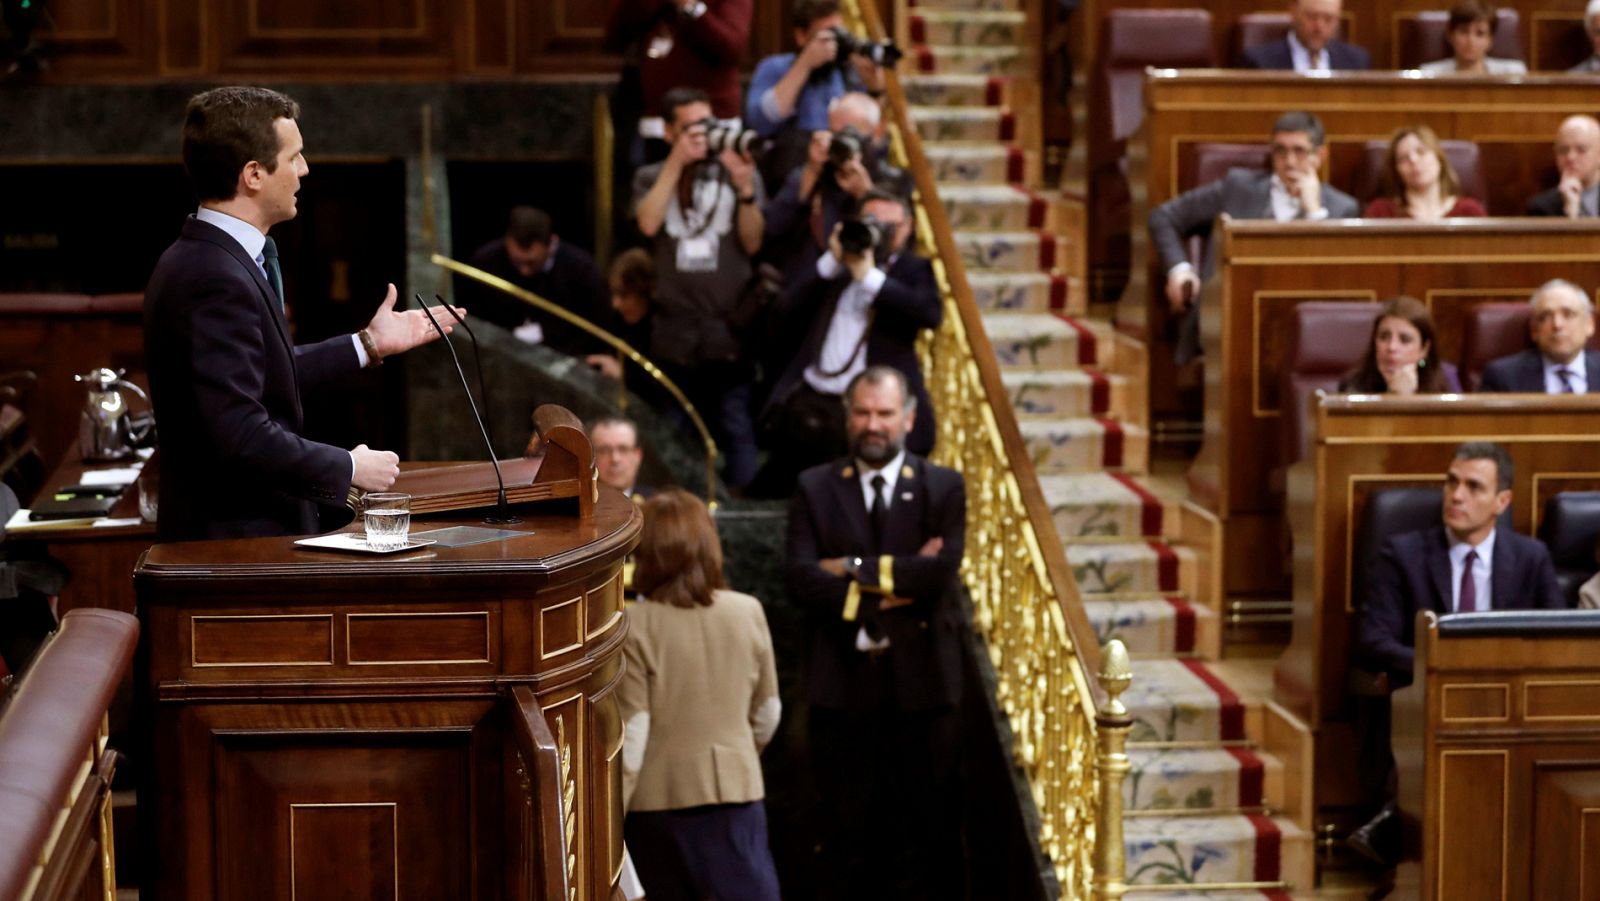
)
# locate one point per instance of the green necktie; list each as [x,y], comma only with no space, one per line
[269,262]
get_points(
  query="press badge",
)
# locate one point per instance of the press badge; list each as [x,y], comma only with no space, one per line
[697,254]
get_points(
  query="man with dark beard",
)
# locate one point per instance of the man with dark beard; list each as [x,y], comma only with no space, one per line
[875,543]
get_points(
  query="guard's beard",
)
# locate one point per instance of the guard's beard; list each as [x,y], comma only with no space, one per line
[876,448]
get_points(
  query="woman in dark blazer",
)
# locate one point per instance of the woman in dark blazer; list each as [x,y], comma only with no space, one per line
[1401,357]
[699,698]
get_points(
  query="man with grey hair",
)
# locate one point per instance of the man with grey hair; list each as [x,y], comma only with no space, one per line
[1591,27]
[1311,44]
[1560,324]
[875,546]
[1289,190]
[1577,151]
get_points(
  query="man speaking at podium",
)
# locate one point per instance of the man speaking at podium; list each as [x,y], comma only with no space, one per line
[225,377]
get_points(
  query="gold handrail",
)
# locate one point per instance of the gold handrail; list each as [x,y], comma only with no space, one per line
[1025,602]
[621,346]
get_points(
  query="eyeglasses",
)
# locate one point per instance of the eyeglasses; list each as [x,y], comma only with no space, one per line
[614,450]
[1292,151]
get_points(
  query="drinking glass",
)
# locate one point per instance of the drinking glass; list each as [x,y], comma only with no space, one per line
[387,516]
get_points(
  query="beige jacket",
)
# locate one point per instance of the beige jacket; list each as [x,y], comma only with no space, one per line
[1589,593]
[699,697]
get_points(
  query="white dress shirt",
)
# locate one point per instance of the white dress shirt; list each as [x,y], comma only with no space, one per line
[1286,204]
[844,348]
[1301,57]
[891,476]
[1579,375]
[1481,570]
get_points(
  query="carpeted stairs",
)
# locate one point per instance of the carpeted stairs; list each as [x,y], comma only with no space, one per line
[1202,795]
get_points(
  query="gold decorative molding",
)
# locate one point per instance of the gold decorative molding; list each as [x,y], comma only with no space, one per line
[1505,702]
[485,657]
[202,618]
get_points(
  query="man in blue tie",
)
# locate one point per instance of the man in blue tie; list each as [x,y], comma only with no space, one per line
[1561,324]
[225,377]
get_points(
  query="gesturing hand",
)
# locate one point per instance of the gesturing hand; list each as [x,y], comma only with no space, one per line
[375,470]
[397,332]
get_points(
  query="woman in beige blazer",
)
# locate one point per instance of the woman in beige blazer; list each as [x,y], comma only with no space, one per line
[699,697]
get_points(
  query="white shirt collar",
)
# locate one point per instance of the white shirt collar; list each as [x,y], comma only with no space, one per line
[1300,55]
[550,258]
[1459,548]
[1578,368]
[890,473]
[249,237]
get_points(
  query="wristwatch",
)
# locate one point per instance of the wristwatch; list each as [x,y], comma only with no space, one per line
[852,567]
[371,347]
[748,198]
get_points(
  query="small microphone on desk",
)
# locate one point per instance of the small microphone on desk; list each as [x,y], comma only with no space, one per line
[477,358]
[502,514]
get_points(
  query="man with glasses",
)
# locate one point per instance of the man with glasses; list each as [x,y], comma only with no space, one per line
[1560,322]
[1290,190]
[617,455]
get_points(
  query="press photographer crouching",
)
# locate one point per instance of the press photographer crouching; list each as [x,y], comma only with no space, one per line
[701,208]
[862,305]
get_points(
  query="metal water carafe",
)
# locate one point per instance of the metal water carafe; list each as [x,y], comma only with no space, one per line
[105,429]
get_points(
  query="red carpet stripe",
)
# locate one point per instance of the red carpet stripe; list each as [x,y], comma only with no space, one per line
[1268,841]
[1086,348]
[1008,128]
[1015,168]
[1252,777]
[1183,632]
[1111,442]
[919,30]
[1099,393]
[1037,208]
[1150,506]
[994,93]
[1058,292]
[1047,251]
[925,60]
[1232,712]
[1166,566]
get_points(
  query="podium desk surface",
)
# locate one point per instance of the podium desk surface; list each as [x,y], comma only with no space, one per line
[553,545]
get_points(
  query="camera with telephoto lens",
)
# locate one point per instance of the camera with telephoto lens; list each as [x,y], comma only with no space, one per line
[884,54]
[720,137]
[846,144]
[857,236]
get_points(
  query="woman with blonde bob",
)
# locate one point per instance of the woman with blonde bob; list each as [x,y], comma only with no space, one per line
[699,699]
[1419,182]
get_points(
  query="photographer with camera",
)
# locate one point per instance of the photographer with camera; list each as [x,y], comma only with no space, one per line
[863,304]
[790,93]
[701,208]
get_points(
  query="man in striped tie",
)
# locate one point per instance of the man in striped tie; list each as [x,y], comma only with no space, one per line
[1561,324]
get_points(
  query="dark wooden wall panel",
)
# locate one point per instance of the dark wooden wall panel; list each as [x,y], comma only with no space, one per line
[283,38]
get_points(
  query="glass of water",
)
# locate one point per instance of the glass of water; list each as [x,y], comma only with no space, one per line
[388,519]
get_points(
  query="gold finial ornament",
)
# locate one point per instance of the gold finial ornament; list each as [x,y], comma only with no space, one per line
[1116,673]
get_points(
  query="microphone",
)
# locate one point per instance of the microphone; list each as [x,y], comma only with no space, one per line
[477,359]
[502,514]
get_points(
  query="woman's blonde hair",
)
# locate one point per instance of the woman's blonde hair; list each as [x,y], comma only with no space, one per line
[1394,187]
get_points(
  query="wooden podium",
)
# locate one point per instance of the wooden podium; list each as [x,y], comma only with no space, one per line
[436,724]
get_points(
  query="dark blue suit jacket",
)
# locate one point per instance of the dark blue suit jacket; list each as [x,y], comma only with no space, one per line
[1524,372]
[226,381]
[1413,573]
[907,303]
[1275,55]
[828,519]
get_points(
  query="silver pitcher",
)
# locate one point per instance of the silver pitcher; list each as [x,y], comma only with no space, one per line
[105,429]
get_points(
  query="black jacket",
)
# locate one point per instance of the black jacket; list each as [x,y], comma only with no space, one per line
[1524,372]
[828,519]
[573,282]
[226,382]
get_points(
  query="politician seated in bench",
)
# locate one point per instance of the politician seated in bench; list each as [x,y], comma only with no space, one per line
[1401,357]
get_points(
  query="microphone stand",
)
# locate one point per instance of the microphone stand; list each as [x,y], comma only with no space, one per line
[477,357]
[502,514]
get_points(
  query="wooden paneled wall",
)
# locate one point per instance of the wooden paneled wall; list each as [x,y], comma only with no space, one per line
[1551,31]
[94,40]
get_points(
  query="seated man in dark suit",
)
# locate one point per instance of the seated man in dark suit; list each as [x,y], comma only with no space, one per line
[857,309]
[1561,325]
[1310,45]
[1291,190]
[1465,564]
[1578,158]
[532,256]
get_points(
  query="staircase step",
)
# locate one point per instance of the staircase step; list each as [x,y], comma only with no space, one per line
[1232,848]
[1103,506]
[997,208]
[969,28]
[1143,567]
[964,5]
[1085,445]
[953,60]
[1018,251]
[981,164]
[1067,394]
[980,124]
[1039,342]
[954,90]
[1024,292]
[1183,701]
[1155,626]
[1201,778]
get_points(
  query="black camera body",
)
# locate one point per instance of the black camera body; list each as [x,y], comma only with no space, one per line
[846,144]
[720,137]
[884,54]
[857,236]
